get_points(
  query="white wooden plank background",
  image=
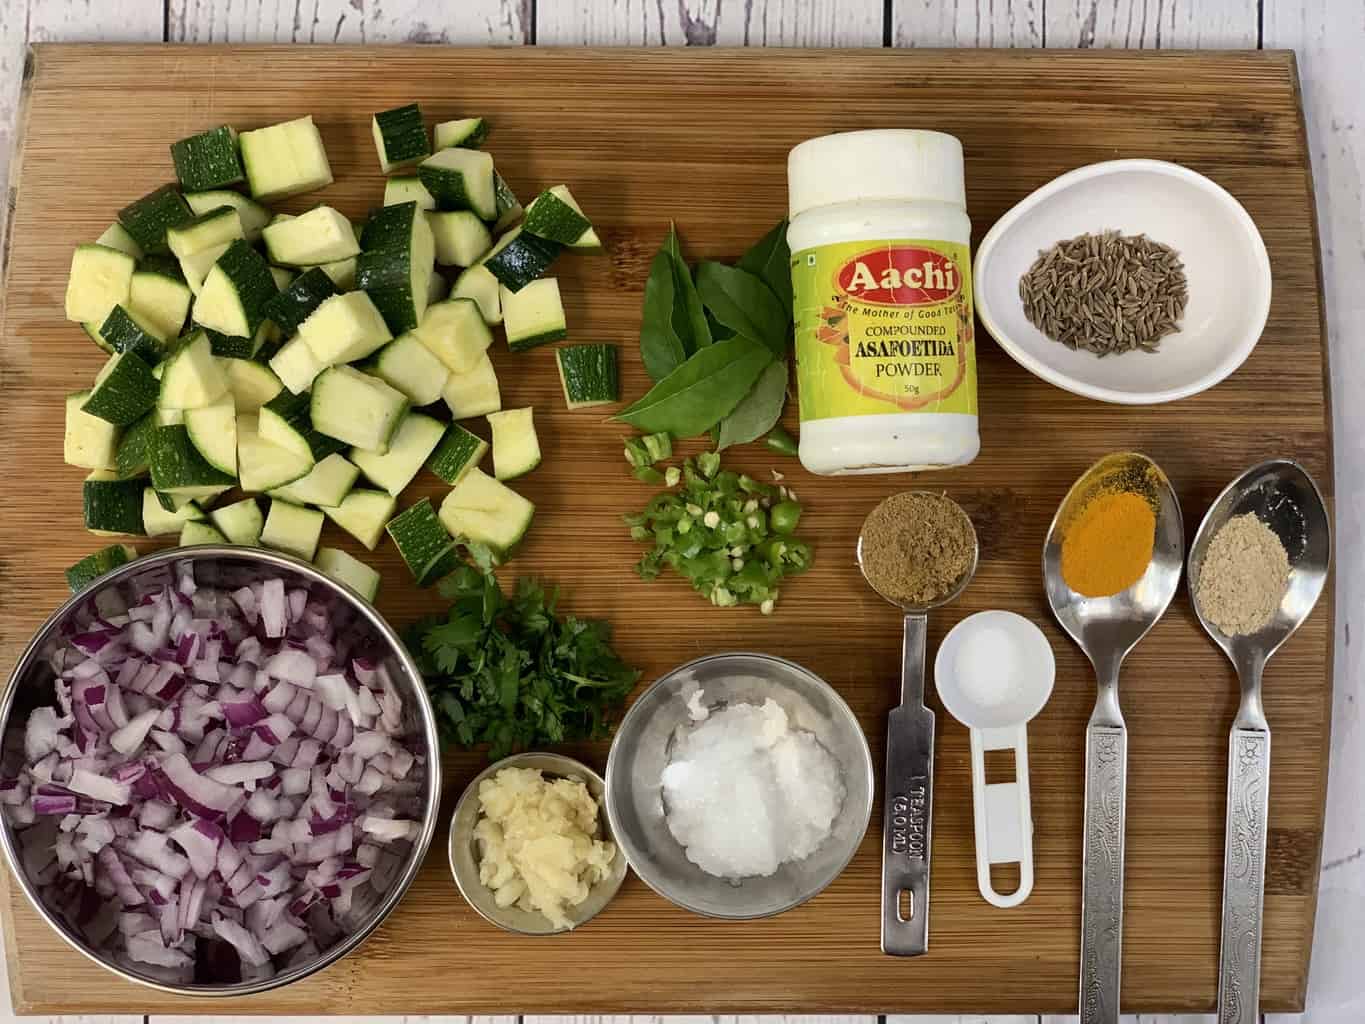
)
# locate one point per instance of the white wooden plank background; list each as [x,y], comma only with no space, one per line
[1329,36]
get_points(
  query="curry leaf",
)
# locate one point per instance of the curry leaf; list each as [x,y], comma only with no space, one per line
[660,347]
[689,318]
[743,303]
[770,261]
[702,391]
[758,410]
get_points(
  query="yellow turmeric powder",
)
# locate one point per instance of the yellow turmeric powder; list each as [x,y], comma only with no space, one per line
[1109,545]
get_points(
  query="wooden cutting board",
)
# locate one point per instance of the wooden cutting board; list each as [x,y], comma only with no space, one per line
[700,137]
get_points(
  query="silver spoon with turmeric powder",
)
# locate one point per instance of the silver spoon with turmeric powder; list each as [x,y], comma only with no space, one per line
[1257,568]
[1111,565]
[918,550]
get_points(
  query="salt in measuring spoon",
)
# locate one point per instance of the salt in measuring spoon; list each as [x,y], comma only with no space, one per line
[907,814]
[1284,497]
[994,672]
[1106,629]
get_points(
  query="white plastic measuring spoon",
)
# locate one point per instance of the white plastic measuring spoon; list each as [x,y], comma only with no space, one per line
[994,673]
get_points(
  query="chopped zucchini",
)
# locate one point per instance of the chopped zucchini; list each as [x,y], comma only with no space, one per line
[293,305]
[284,159]
[213,431]
[322,235]
[516,448]
[415,439]
[191,377]
[427,548]
[437,287]
[206,231]
[363,514]
[407,188]
[101,278]
[590,375]
[344,328]
[327,483]
[240,522]
[179,502]
[400,137]
[93,566]
[556,215]
[197,532]
[127,331]
[474,393]
[163,302]
[357,408]
[124,390]
[292,529]
[349,570]
[458,453]
[408,365]
[296,366]
[508,205]
[251,384]
[196,268]
[262,466]
[208,160]
[92,331]
[179,469]
[285,421]
[252,214]
[159,521]
[342,273]
[395,267]
[468,132]
[224,347]
[116,237]
[479,284]
[484,511]
[460,237]
[236,292]
[534,315]
[133,457]
[461,179]
[149,218]
[455,333]
[111,505]
[519,258]
[89,442]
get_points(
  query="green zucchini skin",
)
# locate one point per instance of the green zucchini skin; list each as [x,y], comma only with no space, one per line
[427,547]
[293,305]
[590,375]
[149,218]
[551,218]
[522,260]
[296,410]
[384,269]
[125,334]
[127,391]
[403,134]
[208,160]
[250,274]
[227,346]
[459,451]
[95,565]
[113,506]
[176,463]
[133,456]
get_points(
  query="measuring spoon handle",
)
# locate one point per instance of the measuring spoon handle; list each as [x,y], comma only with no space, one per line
[908,808]
[1239,960]
[1106,784]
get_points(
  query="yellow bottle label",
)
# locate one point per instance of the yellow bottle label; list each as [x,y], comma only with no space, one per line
[884,327]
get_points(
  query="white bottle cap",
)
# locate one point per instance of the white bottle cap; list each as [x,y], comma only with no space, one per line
[896,164]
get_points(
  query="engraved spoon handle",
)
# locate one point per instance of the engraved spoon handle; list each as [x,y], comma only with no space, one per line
[1106,784]
[1239,960]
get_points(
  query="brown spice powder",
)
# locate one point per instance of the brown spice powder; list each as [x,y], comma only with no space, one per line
[916,547]
[1243,576]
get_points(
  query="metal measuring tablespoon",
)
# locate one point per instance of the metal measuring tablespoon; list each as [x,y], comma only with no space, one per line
[1281,495]
[907,814]
[1106,629]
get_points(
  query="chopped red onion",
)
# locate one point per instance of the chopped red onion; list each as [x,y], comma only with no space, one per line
[207,778]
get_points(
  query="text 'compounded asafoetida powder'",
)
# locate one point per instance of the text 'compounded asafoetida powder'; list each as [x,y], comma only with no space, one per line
[1108,545]
[916,547]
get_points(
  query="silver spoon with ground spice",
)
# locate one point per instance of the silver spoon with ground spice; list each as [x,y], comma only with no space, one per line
[1257,567]
[918,550]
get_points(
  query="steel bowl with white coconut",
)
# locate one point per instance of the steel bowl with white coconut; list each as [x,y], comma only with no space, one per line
[218,770]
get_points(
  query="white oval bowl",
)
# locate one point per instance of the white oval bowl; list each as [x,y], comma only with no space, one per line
[1226,267]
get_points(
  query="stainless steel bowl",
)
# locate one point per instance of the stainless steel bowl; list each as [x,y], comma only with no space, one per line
[640,752]
[30,686]
[464,855]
